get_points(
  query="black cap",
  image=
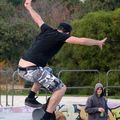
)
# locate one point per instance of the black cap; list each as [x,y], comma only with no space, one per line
[65,27]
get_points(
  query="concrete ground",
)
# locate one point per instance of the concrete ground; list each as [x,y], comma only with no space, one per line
[19,100]
[20,112]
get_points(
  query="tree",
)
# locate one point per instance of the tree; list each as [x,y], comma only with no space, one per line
[94,25]
[15,34]
[93,5]
[16,2]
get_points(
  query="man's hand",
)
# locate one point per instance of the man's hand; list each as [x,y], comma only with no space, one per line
[101,43]
[27,4]
[101,109]
[36,17]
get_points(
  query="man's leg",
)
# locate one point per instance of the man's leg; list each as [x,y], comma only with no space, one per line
[31,100]
[53,102]
[32,74]
[36,87]
[55,99]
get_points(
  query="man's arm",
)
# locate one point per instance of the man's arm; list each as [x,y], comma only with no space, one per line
[36,17]
[86,41]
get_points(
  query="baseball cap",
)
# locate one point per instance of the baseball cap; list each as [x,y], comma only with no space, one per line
[65,27]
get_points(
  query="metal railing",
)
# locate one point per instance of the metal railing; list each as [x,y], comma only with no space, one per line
[89,70]
[59,75]
[13,89]
[95,71]
[107,80]
[6,87]
[78,70]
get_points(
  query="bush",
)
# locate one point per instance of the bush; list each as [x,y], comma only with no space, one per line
[95,25]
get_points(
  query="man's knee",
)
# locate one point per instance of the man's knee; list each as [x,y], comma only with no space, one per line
[63,88]
[60,91]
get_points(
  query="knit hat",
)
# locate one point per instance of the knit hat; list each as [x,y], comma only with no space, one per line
[65,27]
[98,85]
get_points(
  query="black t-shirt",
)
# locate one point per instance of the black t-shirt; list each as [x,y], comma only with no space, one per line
[45,46]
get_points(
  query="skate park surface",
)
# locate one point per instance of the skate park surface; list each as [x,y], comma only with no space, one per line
[70,106]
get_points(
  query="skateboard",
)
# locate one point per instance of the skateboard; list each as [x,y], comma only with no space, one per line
[38,114]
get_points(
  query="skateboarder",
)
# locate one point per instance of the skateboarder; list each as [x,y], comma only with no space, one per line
[44,47]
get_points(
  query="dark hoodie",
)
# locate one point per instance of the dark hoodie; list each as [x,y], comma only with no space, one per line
[94,102]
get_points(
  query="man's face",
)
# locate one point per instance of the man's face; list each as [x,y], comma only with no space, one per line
[99,91]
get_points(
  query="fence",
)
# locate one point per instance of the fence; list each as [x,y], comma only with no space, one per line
[13,81]
[14,74]
[9,85]
[79,71]
[107,80]
[6,76]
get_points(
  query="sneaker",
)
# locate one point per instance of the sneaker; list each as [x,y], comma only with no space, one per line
[49,116]
[32,102]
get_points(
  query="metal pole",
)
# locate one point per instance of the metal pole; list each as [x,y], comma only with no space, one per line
[2,71]
[0,93]
[13,80]
[89,70]
[0,96]
[7,90]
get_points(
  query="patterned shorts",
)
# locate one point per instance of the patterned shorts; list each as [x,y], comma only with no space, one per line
[43,76]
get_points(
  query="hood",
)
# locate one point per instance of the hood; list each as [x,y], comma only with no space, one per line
[99,85]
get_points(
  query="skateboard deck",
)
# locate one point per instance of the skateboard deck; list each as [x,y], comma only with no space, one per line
[38,114]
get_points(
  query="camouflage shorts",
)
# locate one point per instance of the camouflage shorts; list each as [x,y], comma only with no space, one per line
[43,76]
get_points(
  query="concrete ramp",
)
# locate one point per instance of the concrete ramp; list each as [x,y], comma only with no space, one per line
[72,108]
[16,113]
[15,116]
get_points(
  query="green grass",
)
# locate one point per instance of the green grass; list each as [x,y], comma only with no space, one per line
[114,97]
